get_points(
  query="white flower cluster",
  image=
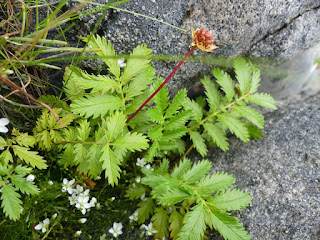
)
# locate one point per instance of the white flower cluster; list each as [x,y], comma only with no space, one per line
[44,225]
[3,123]
[78,196]
[141,163]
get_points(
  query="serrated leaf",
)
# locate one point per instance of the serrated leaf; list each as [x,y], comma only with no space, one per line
[135,191]
[199,143]
[145,210]
[243,74]
[80,152]
[173,196]
[178,121]
[175,221]
[254,132]
[155,133]
[228,200]
[153,179]
[137,62]
[140,83]
[30,157]
[6,157]
[212,93]
[4,170]
[255,80]
[11,202]
[195,109]
[171,135]
[218,135]
[83,130]
[193,224]
[182,168]
[65,120]
[115,125]
[23,185]
[110,163]
[225,81]
[164,166]
[160,222]
[176,103]
[90,165]
[96,105]
[229,227]
[263,100]
[84,80]
[214,183]
[132,142]
[22,170]
[251,114]
[23,139]
[235,125]
[108,54]
[197,171]
[162,97]
[155,114]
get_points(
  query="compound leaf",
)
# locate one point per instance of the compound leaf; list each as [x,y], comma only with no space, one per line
[11,202]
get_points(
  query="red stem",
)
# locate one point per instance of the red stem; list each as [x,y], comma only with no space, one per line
[164,83]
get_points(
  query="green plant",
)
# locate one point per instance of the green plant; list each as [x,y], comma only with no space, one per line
[95,136]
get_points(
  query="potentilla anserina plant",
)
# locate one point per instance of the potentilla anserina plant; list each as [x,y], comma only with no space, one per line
[201,39]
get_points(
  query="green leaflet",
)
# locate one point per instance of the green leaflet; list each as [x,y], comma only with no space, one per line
[90,164]
[132,142]
[231,200]
[194,224]
[115,125]
[176,103]
[110,163]
[251,114]
[11,202]
[178,121]
[181,169]
[199,143]
[235,125]
[135,191]
[229,227]
[175,221]
[83,130]
[107,53]
[145,210]
[195,109]
[214,183]
[160,222]
[212,93]
[30,157]
[162,97]
[81,78]
[23,185]
[262,99]
[197,171]
[173,196]
[96,105]
[137,62]
[225,81]
[6,157]
[255,81]
[218,135]
[243,73]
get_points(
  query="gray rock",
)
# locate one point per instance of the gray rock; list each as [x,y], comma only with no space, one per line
[281,172]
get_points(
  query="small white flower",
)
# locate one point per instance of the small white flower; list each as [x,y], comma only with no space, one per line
[30,178]
[98,178]
[43,226]
[8,72]
[138,179]
[148,166]
[67,185]
[165,152]
[113,198]
[50,182]
[3,123]
[149,229]
[93,201]
[98,206]
[82,220]
[83,204]
[143,197]
[78,233]
[54,216]
[73,199]
[134,216]
[121,62]
[116,229]
[140,162]
[1,148]
[78,189]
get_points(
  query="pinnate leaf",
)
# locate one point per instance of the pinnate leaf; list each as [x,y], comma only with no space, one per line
[23,185]
[225,81]
[176,103]
[212,92]
[30,157]
[243,73]
[145,210]
[199,143]
[195,109]
[197,171]
[175,221]
[218,135]
[110,162]
[173,196]
[235,125]
[160,222]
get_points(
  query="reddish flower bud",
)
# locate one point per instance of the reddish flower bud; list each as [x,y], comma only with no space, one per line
[203,40]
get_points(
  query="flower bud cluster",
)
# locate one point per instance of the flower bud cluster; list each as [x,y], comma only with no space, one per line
[203,40]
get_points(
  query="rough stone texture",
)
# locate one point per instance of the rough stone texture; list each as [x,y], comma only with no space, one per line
[281,172]
[277,29]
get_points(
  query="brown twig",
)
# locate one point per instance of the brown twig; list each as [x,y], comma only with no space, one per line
[4,78]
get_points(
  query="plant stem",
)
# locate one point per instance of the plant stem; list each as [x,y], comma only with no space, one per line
[164,83]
